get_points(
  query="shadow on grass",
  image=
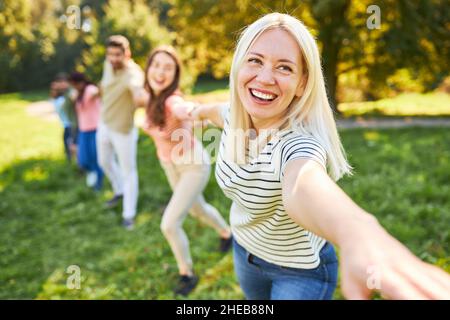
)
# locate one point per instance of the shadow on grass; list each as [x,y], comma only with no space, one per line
[51,220]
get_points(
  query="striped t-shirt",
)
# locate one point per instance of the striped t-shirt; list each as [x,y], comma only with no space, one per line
[258,219]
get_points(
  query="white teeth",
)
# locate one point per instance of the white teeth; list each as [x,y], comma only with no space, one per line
[264,96]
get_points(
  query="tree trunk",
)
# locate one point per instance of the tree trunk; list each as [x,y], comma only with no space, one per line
[330,57]
[332,23]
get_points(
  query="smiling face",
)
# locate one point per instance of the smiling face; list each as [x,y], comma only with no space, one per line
[161,72]
[270,77]
[116,56]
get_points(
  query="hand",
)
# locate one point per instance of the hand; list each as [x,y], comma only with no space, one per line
[142,97]
[194,112]
[73,93]
[190,106]
[145,126]
[95,94]
[376,261]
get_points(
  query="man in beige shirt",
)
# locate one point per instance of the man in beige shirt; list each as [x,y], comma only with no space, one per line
[121,85]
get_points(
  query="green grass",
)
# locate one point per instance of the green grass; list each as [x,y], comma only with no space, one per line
[406,104]
[208,86]
[50,220]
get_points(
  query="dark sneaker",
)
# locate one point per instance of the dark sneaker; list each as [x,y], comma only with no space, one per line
[128,224]
[186,284]
[114,201]
[225,244]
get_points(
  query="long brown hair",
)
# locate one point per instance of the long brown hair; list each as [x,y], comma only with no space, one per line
[155,109]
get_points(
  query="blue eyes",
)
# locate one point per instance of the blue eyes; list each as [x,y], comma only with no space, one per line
[281,67]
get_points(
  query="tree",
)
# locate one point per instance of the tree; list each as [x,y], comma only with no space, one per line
[35,43]
[413,37]
[135,21]
[38,41]
[412,42]
[26,38]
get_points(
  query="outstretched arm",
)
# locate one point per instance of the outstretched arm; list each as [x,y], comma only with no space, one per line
[371,259]
[212,112]
[141,98]
[180,108]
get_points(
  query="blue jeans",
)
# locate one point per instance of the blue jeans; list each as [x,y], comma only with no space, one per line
[87,155]
[261,280]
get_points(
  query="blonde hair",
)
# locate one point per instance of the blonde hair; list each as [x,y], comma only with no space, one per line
[310,114]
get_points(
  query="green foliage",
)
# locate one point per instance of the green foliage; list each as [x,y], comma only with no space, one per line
[27,39]
[51,220]
[207,31]
[37,43]
[134,20]
[411,50]
[412,37]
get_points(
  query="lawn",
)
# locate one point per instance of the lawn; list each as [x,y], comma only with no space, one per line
[405,104]
[49,220]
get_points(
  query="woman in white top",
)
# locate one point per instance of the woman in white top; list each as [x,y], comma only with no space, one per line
[279,140]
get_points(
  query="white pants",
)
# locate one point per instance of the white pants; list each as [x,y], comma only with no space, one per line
[187,182]
[117,157]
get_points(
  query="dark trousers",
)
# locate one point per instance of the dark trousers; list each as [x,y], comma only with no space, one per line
[68,139]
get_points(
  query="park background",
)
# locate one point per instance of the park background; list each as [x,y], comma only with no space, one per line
[389,87]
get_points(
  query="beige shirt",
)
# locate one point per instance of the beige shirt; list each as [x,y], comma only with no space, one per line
[117,88]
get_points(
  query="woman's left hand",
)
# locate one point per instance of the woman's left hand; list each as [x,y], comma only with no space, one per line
[377,262]
[142,97]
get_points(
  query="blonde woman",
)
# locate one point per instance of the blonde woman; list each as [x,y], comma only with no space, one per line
[287,211]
